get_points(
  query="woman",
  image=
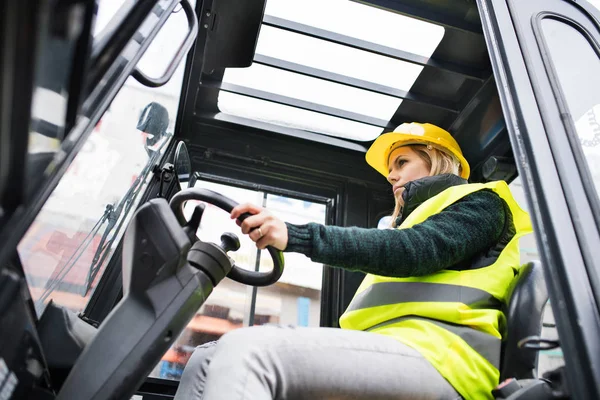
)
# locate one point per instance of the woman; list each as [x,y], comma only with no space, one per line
[426,322]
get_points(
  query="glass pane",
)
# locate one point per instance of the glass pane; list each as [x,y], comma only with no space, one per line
[314,90]
[162,50]
[164,46]
[362,22]
[227,307]
[262,110]
[94,198]
[296,298]
[577,65]
[336,58]
[64,253]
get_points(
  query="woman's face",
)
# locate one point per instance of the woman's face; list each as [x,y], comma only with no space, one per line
[405,166]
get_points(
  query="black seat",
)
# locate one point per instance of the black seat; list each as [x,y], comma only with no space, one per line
[527,297]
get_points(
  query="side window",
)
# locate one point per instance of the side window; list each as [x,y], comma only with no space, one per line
[548,359]
[294,300]
[67,248]
[576,62]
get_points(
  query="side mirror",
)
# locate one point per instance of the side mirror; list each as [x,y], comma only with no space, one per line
[153,121]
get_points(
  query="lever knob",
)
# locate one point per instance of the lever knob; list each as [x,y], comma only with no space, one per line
[229,242]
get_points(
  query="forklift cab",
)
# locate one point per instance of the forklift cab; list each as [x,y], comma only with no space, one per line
[125,127]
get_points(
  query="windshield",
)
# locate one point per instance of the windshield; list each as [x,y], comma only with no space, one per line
[66,249]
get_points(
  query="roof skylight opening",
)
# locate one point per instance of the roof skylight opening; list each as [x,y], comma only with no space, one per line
[296,118]
[341,17]
[336,58]
[317,91]
[361,21]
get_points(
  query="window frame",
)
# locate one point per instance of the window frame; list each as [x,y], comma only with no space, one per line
[109,290]
[563,105]
[110,287]
[562,215]
[329,273]
[88,101]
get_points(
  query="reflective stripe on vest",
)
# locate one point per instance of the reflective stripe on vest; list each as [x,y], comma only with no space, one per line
[384,293]
[453,318]
[486,345]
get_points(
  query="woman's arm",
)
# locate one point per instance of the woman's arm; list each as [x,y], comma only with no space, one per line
[458,233]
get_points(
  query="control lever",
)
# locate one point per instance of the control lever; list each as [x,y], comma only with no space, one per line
[212,259]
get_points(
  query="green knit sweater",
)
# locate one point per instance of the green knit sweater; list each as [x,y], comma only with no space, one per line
[469,227]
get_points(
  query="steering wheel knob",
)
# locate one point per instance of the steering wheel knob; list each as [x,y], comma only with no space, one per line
[229,242]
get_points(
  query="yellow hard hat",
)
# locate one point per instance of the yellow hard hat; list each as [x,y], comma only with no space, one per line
[414,133]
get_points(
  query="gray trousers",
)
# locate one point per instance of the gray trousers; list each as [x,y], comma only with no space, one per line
[271,362]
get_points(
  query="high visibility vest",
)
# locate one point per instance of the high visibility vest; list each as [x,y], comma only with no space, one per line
[453,318]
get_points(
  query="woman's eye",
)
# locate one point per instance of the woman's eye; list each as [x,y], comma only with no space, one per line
[400,163]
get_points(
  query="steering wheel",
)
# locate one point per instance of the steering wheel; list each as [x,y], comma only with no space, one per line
[237,274]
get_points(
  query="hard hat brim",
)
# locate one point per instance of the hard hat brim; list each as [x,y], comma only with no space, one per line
[378,154]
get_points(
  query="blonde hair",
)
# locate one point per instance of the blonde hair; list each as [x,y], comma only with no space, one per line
[438,161]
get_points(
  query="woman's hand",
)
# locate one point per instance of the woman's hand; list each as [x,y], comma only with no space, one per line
[263,228]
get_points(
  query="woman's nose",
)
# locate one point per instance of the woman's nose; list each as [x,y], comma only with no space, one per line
[392,178]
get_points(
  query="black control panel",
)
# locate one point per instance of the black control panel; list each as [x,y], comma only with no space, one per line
[23,373]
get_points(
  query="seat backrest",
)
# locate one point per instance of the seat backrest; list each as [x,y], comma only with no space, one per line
[528,296]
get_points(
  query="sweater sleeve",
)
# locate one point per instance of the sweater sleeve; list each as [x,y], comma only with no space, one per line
[462,230]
